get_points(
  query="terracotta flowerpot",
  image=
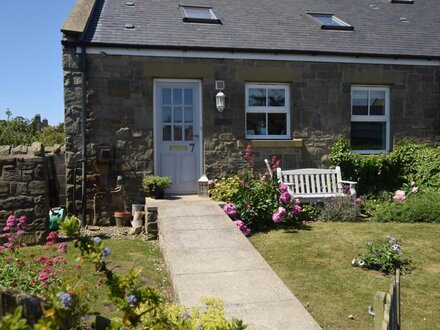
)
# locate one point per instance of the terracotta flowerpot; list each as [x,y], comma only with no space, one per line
[122,218]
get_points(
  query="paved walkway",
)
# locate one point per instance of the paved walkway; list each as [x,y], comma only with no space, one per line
[208,256]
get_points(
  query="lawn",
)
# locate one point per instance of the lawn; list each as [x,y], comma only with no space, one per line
[125,254]
[315,263]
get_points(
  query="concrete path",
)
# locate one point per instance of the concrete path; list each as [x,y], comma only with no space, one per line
[208,256]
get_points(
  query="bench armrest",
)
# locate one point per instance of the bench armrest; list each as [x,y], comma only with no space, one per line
[349,182]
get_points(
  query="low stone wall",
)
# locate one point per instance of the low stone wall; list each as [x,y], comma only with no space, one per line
[10,300]
[29,184]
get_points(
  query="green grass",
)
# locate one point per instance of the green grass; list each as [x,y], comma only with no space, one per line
[315,264]
[125,254]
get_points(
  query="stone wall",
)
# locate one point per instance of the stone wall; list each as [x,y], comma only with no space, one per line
[120,110]
[10,300]
[29,184]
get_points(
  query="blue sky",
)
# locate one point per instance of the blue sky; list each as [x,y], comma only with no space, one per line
[31,76]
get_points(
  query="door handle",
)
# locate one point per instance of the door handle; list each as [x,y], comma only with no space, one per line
[195,135]
[192,146]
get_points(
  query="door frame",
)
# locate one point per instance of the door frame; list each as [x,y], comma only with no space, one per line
[155,128]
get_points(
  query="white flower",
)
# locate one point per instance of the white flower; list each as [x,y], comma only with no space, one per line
[361,263]
[353,262]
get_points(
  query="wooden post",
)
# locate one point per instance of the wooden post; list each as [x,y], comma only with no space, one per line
[379,304]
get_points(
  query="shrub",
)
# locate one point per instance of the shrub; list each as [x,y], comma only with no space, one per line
[385,256]
[224,189]
[51,135]
[420,207]
[338,209]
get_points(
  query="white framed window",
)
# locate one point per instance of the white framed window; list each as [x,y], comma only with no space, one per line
[198,14]
[331,22]
[267,111]
[370,119]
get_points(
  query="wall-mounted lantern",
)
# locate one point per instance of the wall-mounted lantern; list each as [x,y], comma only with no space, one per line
[220,97]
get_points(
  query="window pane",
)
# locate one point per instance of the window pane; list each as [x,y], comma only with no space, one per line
[177,132]
[177,117]
[177,96]
[359,102]
[277,123]
[188,133]
[199,12]
[377,103]
[188,97]
[166,133]
[166,114]
[188,115]
[368,136]
[166,96]
[257,97]
[276,97]
[256,124]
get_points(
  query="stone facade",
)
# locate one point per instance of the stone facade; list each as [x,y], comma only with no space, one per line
[29,184]
[120,109]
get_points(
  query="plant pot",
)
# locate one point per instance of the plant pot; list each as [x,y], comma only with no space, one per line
[158,193]
[122,218]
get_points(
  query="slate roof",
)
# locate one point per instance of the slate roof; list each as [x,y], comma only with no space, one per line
[273,26]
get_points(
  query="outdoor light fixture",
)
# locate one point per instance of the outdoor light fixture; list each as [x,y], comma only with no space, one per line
[220,97]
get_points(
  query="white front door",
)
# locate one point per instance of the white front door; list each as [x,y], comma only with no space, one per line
[178,134]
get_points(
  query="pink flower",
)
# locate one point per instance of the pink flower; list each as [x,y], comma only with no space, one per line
[43,277]
[20,232]
[414,189]
[6,228]
[283,187]
[239,223]
[230,210]
[7,245]
[399,196]
[62,248]
[12,221]
[210,182]
[276,217]
[6,235]
[246,231]
[297,209]
[78,267]
[285,197]
[22,220]
[282,211]
[249,206]
[296,200]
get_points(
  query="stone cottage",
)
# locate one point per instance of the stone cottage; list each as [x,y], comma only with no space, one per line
[289,76]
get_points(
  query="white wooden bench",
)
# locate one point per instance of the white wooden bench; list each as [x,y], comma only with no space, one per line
[315,184]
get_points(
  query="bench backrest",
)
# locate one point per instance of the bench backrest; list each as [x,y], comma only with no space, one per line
[312,180]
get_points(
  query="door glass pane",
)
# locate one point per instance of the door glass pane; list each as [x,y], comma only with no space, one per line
[166,133]
[256,124]
[277,123]
[359,102]
[188,97]
[177,96]
[166,114]
[188,115]
[177,132]
[276,97]
[188,133]
[166,96]
[177,116]
[257,97]
[368,136]
[377,103]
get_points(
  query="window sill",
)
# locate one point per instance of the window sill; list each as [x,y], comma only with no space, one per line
[294,143]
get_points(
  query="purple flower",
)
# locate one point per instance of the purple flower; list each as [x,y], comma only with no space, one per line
[297,209]
[185,315]
[239,223]
[278,216]
[106,252]
[283,187]
[66,299]
[132,299]
[96,240]
[285,197]
[230,210]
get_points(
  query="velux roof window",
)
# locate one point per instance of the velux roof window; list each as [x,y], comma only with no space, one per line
[198,14]
[330,22]
[403,1]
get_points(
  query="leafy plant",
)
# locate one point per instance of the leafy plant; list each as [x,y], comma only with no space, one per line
[420,207]
[14,321]
[70,226]
[151,182]
[338,209]
[385,256]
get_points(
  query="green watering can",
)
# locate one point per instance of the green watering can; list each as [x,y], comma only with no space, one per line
[56,215]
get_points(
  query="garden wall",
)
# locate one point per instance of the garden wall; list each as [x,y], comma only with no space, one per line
[10,300]
[30,181]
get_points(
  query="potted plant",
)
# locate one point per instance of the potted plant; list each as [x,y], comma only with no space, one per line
[156,185]
[122,218]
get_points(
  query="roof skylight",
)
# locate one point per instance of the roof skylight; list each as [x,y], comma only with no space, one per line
[402,1]
[198,14]
[330,22]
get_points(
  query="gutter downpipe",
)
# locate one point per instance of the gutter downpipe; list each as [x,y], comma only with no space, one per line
[84,136]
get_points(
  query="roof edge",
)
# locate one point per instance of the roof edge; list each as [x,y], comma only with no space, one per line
[79,17]
[247,50]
